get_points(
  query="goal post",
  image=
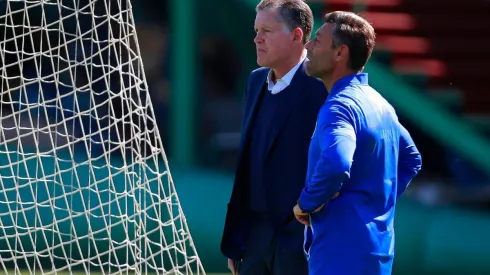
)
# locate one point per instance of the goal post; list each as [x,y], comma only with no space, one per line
[84,180]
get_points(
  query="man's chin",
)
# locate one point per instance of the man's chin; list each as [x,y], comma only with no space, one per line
[261,62]
[309,71]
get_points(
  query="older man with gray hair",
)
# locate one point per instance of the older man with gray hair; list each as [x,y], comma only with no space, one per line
[261,236]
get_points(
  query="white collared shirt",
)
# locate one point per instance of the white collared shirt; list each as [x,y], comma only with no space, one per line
[281,83]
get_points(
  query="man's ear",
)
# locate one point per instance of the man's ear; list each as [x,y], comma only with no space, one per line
[342,53]
[298,35]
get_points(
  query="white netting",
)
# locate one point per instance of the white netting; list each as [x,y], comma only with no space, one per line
[84,182]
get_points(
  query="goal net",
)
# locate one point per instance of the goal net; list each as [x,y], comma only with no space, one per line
[84,181]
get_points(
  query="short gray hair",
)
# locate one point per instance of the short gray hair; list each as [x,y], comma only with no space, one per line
[294,14]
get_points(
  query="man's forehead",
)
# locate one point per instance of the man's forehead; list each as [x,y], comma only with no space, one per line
[325,29]
[268,16]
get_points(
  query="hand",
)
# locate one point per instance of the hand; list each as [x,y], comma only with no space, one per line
[304,218]
[232,267]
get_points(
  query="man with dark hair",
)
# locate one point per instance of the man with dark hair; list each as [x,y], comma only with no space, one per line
[360,150]
[281,105]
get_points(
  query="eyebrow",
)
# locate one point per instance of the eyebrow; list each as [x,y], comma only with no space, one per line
[261,26]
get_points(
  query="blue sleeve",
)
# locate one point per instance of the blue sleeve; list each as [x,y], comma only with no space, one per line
[337,142]
[409,161]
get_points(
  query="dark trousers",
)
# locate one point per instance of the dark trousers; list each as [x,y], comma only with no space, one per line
[266,255]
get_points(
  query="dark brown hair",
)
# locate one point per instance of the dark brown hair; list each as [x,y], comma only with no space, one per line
[294,13]
[356,33]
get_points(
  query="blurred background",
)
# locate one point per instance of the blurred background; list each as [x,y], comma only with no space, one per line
[430,62]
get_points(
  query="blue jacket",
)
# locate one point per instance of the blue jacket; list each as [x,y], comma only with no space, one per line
[360,150]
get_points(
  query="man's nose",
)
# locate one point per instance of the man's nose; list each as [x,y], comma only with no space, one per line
[258,38]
